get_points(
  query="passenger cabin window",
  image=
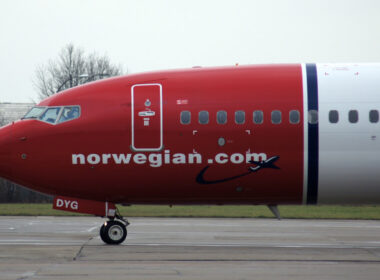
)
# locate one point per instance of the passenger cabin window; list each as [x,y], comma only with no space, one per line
[258,117]
[294,116]
[221,117]
[69,113]
[373,116]
[333,116]
[50,115]
[239,117]
[353,116]
[276,117]
[312,116]
[203,117]
[34,113]
[185,117]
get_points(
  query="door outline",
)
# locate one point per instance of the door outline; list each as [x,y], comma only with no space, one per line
[133,119]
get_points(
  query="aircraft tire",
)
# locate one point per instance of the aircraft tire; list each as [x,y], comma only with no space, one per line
[113,232]
[102,234]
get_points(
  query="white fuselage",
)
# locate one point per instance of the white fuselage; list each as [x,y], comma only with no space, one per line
[349,149]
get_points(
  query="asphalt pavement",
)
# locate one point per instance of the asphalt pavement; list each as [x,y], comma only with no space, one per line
[190,248]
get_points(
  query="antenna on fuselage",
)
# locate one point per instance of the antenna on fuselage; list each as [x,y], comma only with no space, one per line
[275,211]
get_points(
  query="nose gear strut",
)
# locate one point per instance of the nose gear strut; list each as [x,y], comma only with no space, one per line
[114,231]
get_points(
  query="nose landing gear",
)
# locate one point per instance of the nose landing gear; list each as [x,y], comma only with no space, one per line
[114,231]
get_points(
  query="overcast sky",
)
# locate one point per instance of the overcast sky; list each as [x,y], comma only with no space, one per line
[157,34]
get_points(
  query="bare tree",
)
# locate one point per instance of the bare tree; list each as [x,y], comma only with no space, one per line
[2,119]
[72,68]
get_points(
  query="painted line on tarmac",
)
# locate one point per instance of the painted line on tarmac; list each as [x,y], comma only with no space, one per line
[258,245]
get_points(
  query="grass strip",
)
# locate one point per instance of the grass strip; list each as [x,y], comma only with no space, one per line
[371,212]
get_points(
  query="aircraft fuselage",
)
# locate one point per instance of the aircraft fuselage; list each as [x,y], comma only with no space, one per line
[203,136]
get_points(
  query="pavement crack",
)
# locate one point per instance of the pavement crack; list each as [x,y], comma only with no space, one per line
[77,256]
[372,252]
[177,272]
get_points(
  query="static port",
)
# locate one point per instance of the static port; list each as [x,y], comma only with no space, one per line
[221,141]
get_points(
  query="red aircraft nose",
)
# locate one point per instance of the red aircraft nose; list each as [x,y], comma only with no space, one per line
[5,151]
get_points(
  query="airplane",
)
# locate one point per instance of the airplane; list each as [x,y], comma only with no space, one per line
[269,163]
[203,136]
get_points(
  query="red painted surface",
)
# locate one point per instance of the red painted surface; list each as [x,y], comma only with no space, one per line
[146,124]
[42,154]
[97,208]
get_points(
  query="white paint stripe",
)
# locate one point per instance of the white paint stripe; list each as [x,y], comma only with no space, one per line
[305,134]
[257,245]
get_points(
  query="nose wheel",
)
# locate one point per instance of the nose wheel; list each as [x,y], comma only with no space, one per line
[114,231]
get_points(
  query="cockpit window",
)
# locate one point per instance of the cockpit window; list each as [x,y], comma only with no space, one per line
[53,115]
[50,115]
[34,113]
[69,113]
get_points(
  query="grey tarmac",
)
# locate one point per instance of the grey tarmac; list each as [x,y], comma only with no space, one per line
[190,248]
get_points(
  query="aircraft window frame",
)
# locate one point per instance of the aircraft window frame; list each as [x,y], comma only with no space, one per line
[221,117]
[67,120]
[333,116]
[240,117]
[372,118]
[203,117]
[258,117]
[276,119]
[294,117]
[59,115]
[34,117]
[56,118]
[353,116]
[183,116]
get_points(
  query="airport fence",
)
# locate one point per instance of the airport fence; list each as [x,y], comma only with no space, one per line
[13,193]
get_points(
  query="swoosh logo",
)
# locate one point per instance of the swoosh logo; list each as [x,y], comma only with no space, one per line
[269,163]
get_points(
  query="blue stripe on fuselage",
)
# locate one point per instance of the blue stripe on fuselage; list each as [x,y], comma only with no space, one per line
[313,137]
